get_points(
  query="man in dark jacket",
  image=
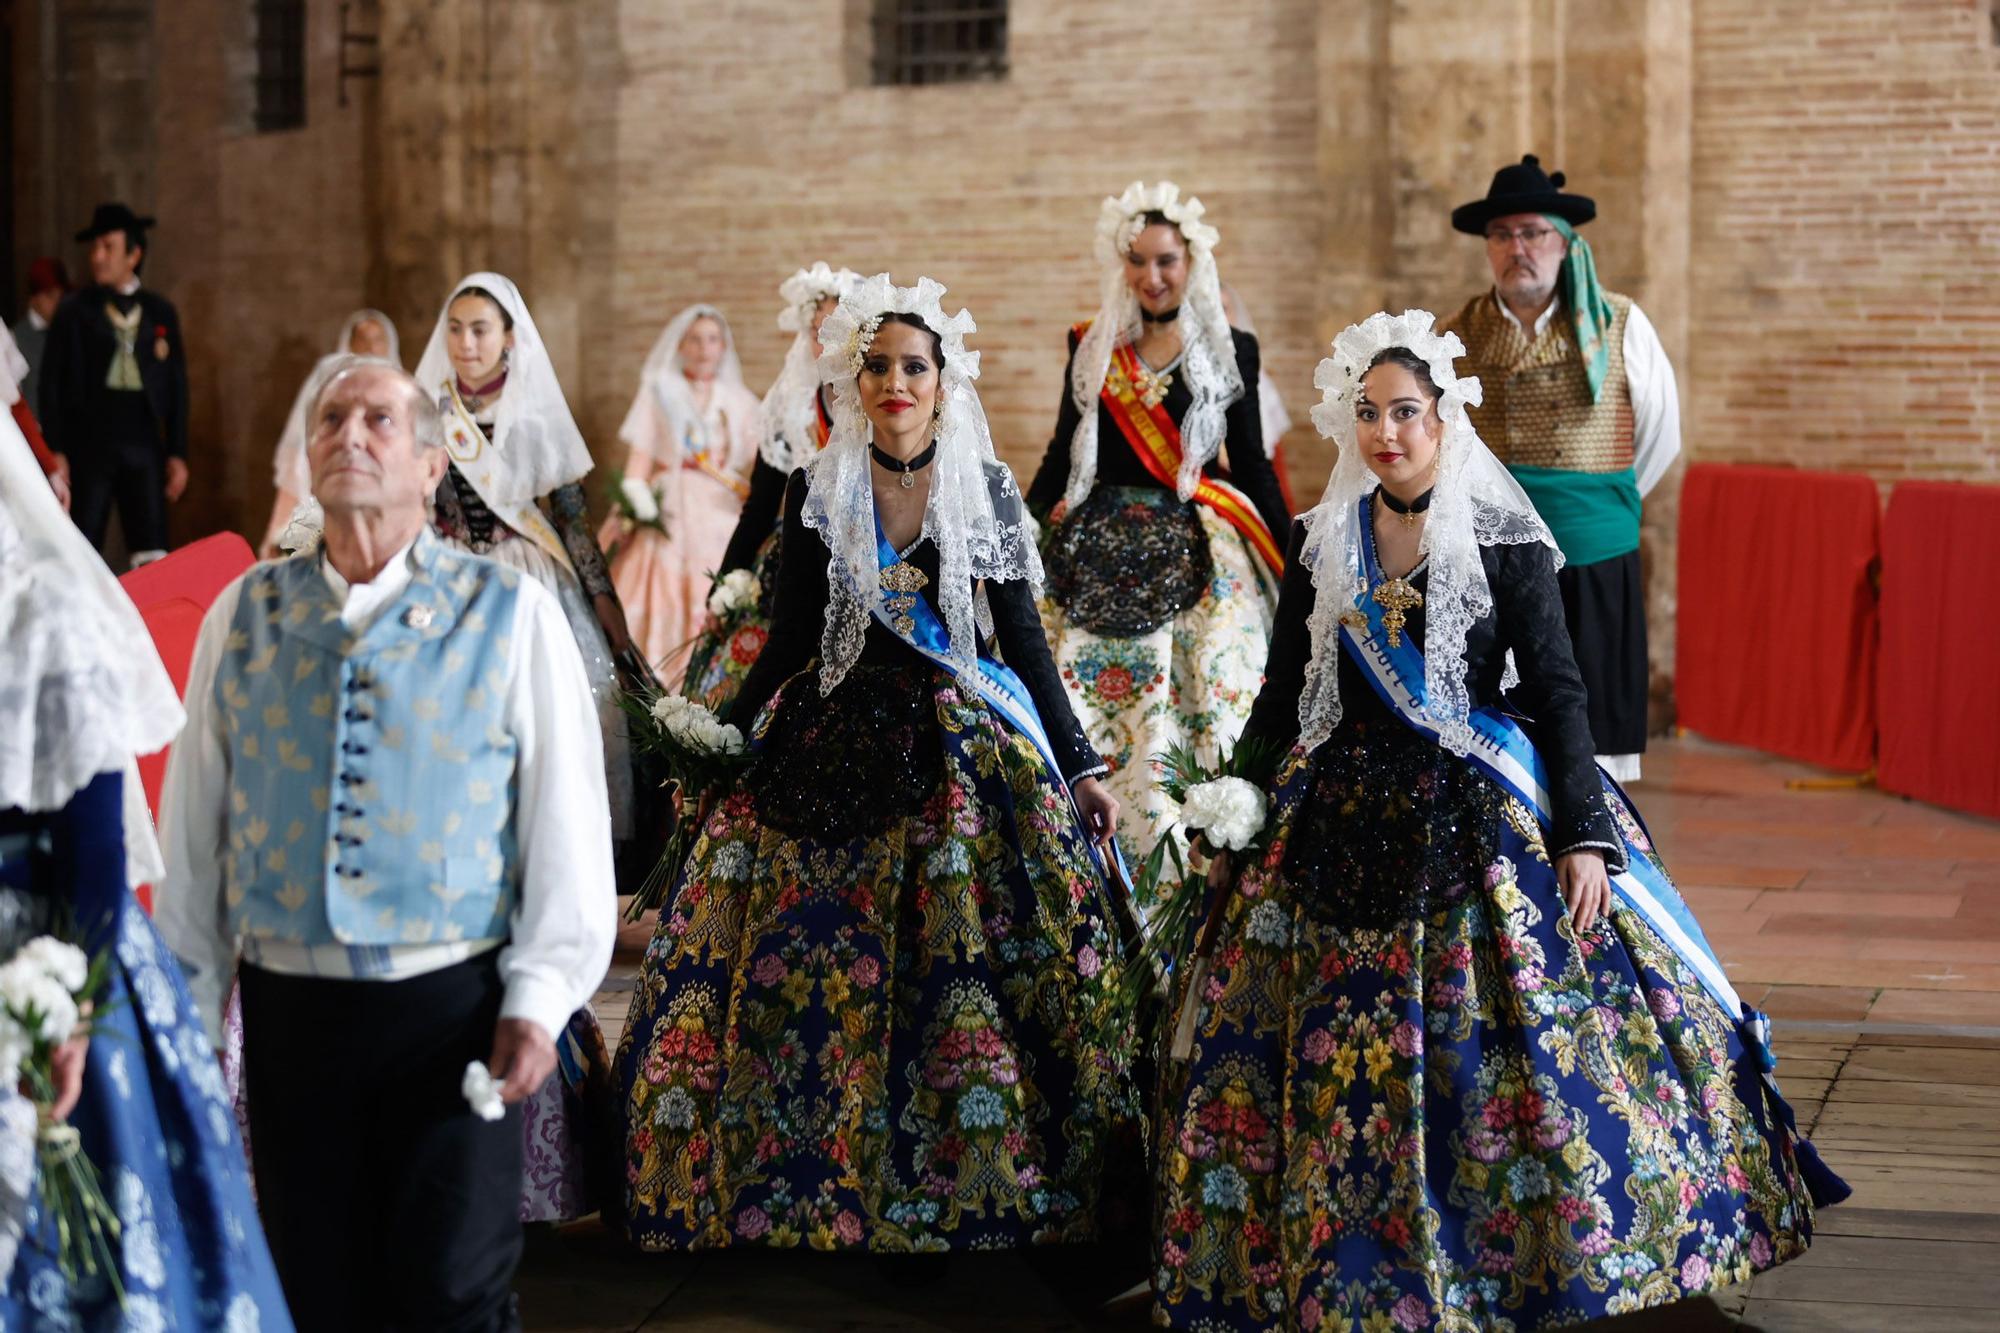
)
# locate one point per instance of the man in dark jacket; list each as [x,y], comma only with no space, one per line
[114,392]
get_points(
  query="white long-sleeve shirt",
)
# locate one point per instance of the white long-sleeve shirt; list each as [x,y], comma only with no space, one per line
[1649,376]
[565,920]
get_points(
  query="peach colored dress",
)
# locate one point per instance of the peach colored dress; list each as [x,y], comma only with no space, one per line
[701,441]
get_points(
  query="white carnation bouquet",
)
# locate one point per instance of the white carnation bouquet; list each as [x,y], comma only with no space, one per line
[47,992]
[1220,810]
[700,753]
[734,593]
[637,503]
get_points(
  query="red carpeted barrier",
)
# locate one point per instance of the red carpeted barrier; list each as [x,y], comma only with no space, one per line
[1777,635]
[172,595]
[1940,688]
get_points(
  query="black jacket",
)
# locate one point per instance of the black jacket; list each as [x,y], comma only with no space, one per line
[1527,617]
[74,398]
[800,614]
[1249,469]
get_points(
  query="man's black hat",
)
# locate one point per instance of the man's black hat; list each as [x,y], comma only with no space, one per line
[1523,188]
[116,217]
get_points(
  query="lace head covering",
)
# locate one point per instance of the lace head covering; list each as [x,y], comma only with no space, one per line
[1475,502]
[791,418]
[13,368]
[536,445]
[289,470]
[664,377]
[82,691]
[974,514]
[366,315]
[1209,366]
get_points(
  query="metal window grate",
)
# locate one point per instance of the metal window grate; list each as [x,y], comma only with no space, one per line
[921,42]
[281,64]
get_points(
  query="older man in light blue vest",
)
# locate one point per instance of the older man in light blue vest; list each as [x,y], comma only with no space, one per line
[389,802]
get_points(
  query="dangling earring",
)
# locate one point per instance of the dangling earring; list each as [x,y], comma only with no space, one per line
[937,418]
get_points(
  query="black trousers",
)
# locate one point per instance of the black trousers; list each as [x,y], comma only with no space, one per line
[388,1204]
[1605,605]
[134,478]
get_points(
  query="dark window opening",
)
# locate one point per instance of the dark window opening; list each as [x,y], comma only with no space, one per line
[921,42]
[281,64]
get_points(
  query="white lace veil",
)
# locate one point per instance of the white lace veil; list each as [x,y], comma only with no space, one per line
[288,464]
[791,418]
[82,690]
[1209,368]
[974,515]
[13,368]
[1475,502]
[536,445]
[663,378]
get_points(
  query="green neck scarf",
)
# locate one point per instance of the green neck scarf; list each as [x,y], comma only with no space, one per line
[1589,308]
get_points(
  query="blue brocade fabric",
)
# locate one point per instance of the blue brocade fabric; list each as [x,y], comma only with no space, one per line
[1469,1118]
[873,1034]
[155,1118]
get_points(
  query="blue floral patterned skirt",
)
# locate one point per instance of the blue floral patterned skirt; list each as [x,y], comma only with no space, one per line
[1469,1119]
[863,1022]
[156,1121]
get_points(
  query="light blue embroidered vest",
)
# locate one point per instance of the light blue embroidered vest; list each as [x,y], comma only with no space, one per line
[371,796]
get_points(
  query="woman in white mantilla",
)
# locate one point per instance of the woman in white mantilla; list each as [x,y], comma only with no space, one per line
[797,421]
[514,493]
[693,431]
[864,1021]
[1464,1060]
[366,332]
[1162,506]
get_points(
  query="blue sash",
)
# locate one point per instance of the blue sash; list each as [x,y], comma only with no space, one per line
[1506,754]
[1002,690]
[1504,751]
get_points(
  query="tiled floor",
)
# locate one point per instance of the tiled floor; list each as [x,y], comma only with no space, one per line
[1869,927]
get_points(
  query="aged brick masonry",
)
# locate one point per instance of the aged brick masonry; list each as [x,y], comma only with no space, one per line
[1798,191]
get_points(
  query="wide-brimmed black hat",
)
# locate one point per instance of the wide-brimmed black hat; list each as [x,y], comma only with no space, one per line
[1523,188]
[115,217]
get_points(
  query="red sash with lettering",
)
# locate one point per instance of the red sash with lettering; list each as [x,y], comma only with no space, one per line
[1157,441]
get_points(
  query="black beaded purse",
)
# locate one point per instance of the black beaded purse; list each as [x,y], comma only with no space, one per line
[1128,560]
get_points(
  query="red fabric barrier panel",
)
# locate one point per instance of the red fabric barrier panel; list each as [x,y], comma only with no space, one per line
[1777,638]
[172,595]
[1940,697]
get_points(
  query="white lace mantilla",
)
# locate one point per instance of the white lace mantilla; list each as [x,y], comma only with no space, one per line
[1475,502]
[974,515]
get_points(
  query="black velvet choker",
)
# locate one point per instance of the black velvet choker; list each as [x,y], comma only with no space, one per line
[1406,512]
[909,469]
[1164,317]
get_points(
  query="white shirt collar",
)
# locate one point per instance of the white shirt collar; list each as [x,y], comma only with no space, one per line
[1541,320]
[129,288]
[360,603]
[35,320]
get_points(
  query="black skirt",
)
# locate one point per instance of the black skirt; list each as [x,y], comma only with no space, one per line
[1605,605]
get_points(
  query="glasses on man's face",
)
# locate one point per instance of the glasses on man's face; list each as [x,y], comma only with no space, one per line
[1532,237]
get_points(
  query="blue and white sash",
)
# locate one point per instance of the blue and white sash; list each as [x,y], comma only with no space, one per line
[1503,750]
[999,687]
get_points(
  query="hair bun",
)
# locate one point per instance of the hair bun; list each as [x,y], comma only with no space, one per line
[1558,180]
[1530,160]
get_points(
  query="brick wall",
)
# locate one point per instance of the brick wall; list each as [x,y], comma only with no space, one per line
[1846,278]
[743,152]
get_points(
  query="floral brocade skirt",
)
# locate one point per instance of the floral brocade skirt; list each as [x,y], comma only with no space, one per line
[727,645]
[864,1020]
[1473,1119]
[1189,682]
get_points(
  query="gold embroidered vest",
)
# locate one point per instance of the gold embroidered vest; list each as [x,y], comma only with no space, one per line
[1537,410]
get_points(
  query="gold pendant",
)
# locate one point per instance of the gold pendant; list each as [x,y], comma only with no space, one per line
[909,481]
[905,581]
[1396,598]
